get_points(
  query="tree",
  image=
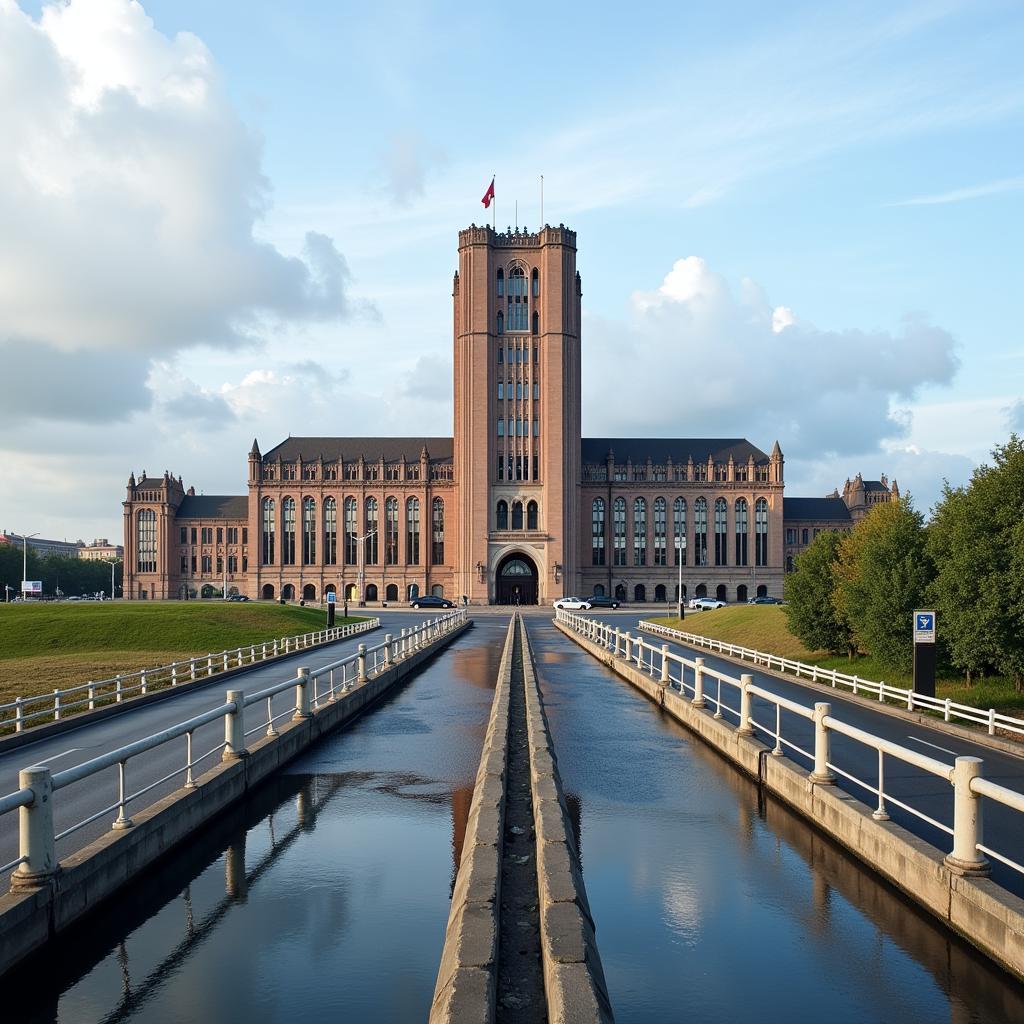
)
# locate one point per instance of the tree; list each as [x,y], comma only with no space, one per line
[811,615]
[881,576]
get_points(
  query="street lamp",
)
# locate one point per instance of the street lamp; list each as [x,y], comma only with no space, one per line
[680,551]
[25,538]
[360,544]
[112,566]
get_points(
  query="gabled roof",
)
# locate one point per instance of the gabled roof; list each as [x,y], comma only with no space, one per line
[309,449]
[875,485]
[814,510]
[594,450]
[213,506]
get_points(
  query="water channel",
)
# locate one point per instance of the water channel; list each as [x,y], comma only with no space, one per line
[325,895]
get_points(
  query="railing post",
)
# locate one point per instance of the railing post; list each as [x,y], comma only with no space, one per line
[627,646]
[387,650]
[36,843]
[19,713]
[234,727]
[361,664]
[302,696]
[209,664]
[698,683]
[664,664]
[822,774]
[117,688]
[56,705]
[964,859]
[746,681]
[615,649]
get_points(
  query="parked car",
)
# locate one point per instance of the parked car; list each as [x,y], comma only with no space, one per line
[765,600]
[600,601]
[237,597]
[572,604]
[429,601]
[705,604]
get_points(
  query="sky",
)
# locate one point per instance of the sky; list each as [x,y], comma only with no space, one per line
[224,221]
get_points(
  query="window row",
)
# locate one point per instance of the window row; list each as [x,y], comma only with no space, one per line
[501,521]
[187,535]
[520,390]
[661,592]
[655,542]
[327,529]
[520,354]
[517,283]
[517,467]
[205,564]
[517,427]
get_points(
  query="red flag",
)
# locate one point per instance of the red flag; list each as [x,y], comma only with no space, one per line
[488,195]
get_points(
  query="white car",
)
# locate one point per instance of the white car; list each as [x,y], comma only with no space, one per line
[573,604]
[705,604]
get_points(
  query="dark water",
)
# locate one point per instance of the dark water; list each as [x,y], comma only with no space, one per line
[323,897]
[712,908]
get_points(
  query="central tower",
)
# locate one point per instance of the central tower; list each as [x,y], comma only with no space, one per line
[517,414]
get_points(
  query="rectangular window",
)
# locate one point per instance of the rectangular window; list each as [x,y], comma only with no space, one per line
[245,564]
[536,391]
[220,565]
[536,467]
[220,535]
[501,354]
[184,535]
[245,534]
[804,537]
[207,566]
[501,426]
[536,355]
[501,391]
[193,541]
[790,535]
[501,467]
[536,428]
[184,563]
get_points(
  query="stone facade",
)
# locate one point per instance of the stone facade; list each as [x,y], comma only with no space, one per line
[503,511]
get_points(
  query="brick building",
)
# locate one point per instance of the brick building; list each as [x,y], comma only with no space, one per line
[516,506]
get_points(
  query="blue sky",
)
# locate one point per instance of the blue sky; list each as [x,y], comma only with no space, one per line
[858,165]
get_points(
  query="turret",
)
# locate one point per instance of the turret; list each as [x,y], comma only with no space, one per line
[777,462]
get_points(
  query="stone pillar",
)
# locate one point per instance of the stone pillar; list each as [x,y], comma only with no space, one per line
[746,681]
[698,683]
[822,774]
[664,665]
[361,664]
[36,836]
[234,727]
[302,709]
[964,859]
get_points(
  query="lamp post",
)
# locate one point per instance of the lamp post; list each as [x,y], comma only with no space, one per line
[112,566]
[25,538]
[680,551]
[7,592]
[361,575]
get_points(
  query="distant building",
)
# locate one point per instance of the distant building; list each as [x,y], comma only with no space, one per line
[101,549]
[43,547]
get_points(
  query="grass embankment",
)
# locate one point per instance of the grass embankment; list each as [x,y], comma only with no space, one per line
[764,628]
[48,646]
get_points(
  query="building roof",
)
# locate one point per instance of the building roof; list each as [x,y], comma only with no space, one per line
[594,450]
[214,506]
[875,485]
[815,510]
[309,449]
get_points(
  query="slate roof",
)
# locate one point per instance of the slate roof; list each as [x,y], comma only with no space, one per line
[814,510]
[440,449]
[594,450]
[874,485]
[214,506]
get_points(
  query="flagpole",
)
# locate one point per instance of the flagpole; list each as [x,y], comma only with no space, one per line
[494,206]
[542,201]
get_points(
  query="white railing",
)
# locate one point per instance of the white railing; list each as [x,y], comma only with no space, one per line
[965,774]
[38,838]
[882,691]
[56,704]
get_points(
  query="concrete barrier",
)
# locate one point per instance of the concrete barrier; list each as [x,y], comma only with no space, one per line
[467,983]
[28,918]
[574,982]
[976,908]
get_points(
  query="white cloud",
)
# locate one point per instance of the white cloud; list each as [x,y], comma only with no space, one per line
[959,195]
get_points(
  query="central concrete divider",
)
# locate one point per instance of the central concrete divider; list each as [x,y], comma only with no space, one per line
[29,917]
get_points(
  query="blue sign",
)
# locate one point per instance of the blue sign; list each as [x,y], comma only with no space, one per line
[332,597]
[924,627]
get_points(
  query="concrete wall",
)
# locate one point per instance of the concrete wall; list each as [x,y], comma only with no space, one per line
[976,908]
[29,918]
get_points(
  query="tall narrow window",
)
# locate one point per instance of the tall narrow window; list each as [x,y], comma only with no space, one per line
[501,323]
[391,531]
[679,529]
[619,531]
[146,540]
[501,426]
[501,516]
[412,531]
[639,531]
[536,282]
[308,531]
[517,515]
[268,531]
[721,532]
[351,535]
[535,329]
[518,301]
[330,531]
[288,531]
[501,282]
[501,390]
[437,529]
[531,515]
[660,524]
[742,526]
[597,532]
[372,548]
[761,531]
[700,532]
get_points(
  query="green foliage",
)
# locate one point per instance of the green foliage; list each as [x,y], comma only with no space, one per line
[74,577]
[881,576]
[810,613]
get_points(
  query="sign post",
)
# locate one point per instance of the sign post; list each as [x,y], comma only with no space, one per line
[924,653]
[332,601]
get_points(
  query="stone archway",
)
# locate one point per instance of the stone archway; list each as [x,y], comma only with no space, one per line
[516,580]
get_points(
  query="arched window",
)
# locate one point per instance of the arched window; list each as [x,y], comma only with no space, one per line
[146,541]
[721,592]
[761,532]
[675,592]
[351,594]
[702,590]
[437,590]
[437,528]
[309,592]
[531,515]
[659,592]
[639,531]
[501,519]
[679,529]
[350,531]
[762,590]
[371,591]
[501,322]
[267,593]
[288,592]
[288,531]
[660,540]
[700,533]
[620,591]
[308,531]
[412,531]
[619,535]
[518,301]
[268,532]
[640,593]
[517,515]
[391,593]
[742,526]
[330,531]
[391,531]
[741,593]
[413,591]
[370,524]
[535,276]
[721,532]
[501,283]
[597,533]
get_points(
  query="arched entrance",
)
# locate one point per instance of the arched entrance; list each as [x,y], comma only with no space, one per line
[309,592]
[516,580]
[268,592]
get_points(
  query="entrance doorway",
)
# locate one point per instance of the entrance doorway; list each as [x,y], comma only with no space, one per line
[516,581]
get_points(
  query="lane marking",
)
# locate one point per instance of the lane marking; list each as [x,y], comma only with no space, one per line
[935,745]
[57,757]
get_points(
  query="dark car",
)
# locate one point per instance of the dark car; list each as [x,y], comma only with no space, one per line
[765,600]
[429,601]
[237,597]
[600,601]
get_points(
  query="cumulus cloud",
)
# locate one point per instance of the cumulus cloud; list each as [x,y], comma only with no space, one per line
[710,363]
